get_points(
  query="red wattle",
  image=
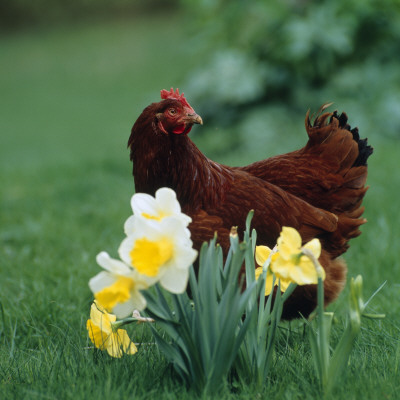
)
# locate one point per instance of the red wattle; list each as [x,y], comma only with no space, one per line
[180,129]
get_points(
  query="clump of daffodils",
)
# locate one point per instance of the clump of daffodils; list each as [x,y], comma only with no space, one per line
[290,262]
[157,249]
[234,328]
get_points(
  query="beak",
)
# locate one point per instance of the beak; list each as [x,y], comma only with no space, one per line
[194,119]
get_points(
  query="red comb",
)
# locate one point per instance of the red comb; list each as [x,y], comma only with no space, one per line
[165,94]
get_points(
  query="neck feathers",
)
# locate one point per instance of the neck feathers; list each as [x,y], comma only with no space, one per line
[174,161]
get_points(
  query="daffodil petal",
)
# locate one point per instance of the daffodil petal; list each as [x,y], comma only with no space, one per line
[314,246]
[118,292]
[269,282]
[100,317]
[130,225]
[98,337]
[162,206]
[99,324]
[96,309]
[143,203]
[122,310]
[289,242]
[112,265]
[175,280]
[284,284]
[114,346]
[291,236]
[100,281]
[281,267]
[126,343]
[269,279]
[258,272]
[125,248]
[167,197]
[183,258]
[304,274]
[262,254]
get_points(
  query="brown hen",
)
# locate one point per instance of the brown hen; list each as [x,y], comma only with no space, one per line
[318,189]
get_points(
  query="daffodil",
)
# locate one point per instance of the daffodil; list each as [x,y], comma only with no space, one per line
[104,332]
[161,251]
[292,263]
[265,255]
[163,205]
[117,289]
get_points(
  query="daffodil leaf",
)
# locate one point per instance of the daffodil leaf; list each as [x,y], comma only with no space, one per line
[374,294]
[193,285]
[289,291]
[341,355]
[186,342]
[315,354]
[158,306]
[171,353]
[248,220]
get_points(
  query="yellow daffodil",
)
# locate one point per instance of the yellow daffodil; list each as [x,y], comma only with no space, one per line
[160,250]
[104,333]
[117,289]
[163,205]
[263,254]
[292,264]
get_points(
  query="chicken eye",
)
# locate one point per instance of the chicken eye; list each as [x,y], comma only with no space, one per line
[172,111]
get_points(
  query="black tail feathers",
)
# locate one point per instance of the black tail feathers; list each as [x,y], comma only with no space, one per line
[364,149]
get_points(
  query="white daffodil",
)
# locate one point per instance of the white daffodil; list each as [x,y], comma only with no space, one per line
[118,288]
[161,251]
[162,206]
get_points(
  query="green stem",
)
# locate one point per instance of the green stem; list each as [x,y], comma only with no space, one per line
[130,320]
[322,344]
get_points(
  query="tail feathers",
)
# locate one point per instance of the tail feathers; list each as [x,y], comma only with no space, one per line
[348,227]
[345,200]
[364,150]
[340,147]
[355,178]
[330,173]
[328,126]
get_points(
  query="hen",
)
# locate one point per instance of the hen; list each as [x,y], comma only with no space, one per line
[318,189]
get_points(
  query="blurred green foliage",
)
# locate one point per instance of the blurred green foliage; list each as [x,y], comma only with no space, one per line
[293,55]
[266,62]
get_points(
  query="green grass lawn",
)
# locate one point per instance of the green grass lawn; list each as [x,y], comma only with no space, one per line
[68,98]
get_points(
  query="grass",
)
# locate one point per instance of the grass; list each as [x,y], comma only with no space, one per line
[69,96]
